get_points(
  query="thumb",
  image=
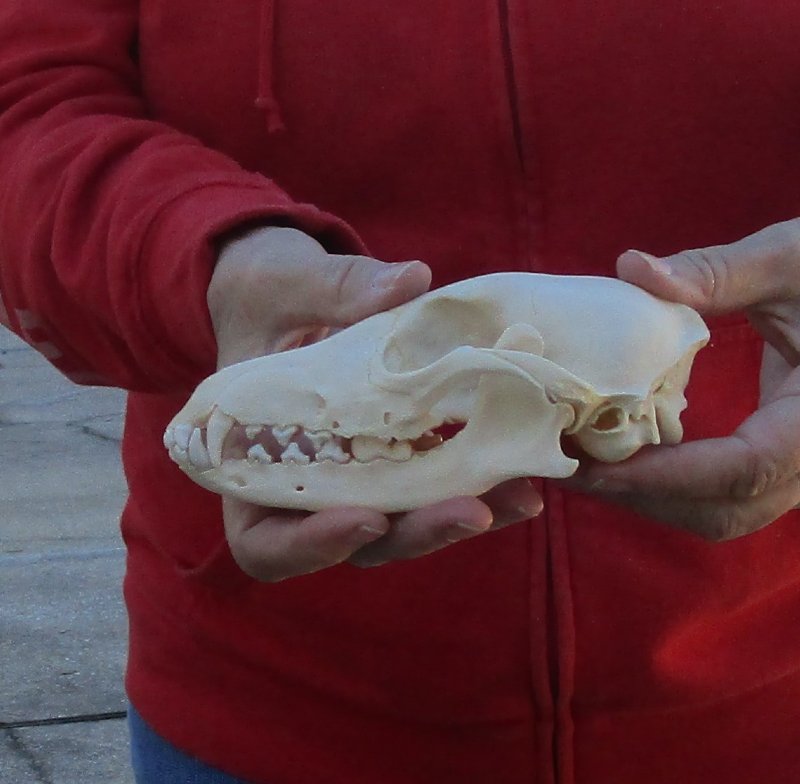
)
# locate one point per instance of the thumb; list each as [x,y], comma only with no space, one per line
[356,287]
[723,278]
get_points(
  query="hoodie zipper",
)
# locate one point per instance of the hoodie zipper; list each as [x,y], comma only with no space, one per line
[508,63]
[266,99]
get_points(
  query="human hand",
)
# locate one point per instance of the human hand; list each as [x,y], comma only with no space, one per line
[724,488]
[277,288]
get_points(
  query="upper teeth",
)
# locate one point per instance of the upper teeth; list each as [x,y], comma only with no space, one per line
[204,447]
[217,429]
[283,435]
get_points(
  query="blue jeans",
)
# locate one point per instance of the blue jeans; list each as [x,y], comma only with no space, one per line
[156,761]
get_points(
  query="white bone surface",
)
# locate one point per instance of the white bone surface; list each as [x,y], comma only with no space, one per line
[518,359]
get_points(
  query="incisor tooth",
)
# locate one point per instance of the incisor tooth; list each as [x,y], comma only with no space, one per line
[198,454]
[182,434]
[294,454]
[217,429]
[177,454]
[169,438]
[283,435]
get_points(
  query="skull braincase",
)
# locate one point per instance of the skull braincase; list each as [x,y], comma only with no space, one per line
[507,363]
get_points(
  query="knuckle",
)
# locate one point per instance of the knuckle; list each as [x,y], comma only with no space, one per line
[701,263]
[760,471]
[723,525]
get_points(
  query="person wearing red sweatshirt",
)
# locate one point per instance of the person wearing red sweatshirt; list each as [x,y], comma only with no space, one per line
[183,185]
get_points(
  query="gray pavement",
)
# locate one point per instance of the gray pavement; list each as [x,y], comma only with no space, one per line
[62,622]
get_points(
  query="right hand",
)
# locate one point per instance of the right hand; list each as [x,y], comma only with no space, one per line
[277,288]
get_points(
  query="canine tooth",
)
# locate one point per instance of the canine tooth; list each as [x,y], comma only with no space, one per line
[283,435]
[331,450]
[253,431]
[169,438]
[294,454]
[198,454]
[217,429]
[258,454]
[183,433]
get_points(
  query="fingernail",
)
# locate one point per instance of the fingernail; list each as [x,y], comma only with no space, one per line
[393,272]
[530,511]
[657,265]
[461,531]
[371,533]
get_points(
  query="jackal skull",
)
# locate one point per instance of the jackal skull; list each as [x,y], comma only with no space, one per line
[447,395]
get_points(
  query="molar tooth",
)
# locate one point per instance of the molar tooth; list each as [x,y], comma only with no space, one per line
[294,454]
[253,431]
[331,450]
[283,435]
[182,434]
[367,448]
[398,451]
[198,454]
[257,454]
[217,429]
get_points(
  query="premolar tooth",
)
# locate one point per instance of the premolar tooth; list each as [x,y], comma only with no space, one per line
[258,454]
[294,454]
[283,435]
[182,434]
[198,454]
[253,431]
[217,429]
[331,450]
[319,438]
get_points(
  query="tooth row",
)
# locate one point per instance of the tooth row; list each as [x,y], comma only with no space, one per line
[204,450]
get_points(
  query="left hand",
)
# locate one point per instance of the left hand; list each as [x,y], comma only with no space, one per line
[724,488]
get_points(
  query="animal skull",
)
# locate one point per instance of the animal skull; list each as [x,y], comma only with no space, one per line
[516,360]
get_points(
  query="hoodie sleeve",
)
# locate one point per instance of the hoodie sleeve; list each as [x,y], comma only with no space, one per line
[107,218]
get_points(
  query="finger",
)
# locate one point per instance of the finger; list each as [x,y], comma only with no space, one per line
[762,453]
[340,290]
[717,520]
[512,502]
[359,287]
[272,545]
[426,530]
[762,267]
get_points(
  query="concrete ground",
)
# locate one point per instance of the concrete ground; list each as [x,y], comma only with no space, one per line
[62,622]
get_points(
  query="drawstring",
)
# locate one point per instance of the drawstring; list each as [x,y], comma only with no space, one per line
[266,99]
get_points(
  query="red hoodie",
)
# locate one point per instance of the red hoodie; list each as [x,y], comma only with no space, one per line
[588,646]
